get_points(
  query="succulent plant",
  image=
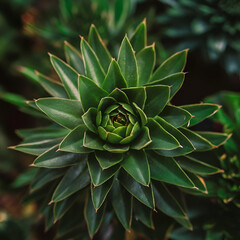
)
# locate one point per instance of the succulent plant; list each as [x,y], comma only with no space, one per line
[116,144]
[209,25]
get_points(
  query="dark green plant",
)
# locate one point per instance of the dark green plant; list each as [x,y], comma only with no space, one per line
[229,118]
[117,144]
[211,26]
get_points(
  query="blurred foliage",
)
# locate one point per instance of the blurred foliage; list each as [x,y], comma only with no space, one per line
[211,26]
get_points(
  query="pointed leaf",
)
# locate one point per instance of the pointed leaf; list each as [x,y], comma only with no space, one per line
[92,217]
[201,111]
[217,139]
[136,95]
[127,63]
[143,213]
[166,202]
[108,159]
[74,58]
[51,86]
[195,166]
[119,96]
[122,204]
[92,65]
[68,76]
[100,193]
[98,175]
[73,142]
[76,178]
[199,143]
[167,170]
[36,147]
[175,116]
[45,176]
[161,139]
[92,141]
[143,140]
[65,112]
[58,159]
[114,78]
[185,145]
[142,193]
[90,93]
[89,119]
[157,98]
[174,64]
[145,62]
[139,38]
[174,81]
[98,46]
[136,164]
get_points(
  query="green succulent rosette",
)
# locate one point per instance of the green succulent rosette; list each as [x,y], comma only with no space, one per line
[116,137]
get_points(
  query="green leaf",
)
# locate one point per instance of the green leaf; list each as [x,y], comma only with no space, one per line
[36,147]
[143,213]
[74,58]
[141,114]
[60,208]
[166,202]
[122,204]
[115,148]
[127,63]
[100,193]
[185,145]
[174,81]
[119,96]
[142,193]
[174,64]
[136,164]
[139,38]
[65,112]
[92,217]
[168,170]
[136,95]
[175,116]
[92,141]
[146,59]
[157,98]
[99,175]
[195,166]
[92,65]
[200,111]
[57,159]
[75,179]
[89,119]
[143,140]
[42,133]
[108,159]
[217,139]
[44,176]
[51,86]
[73,142]
[68,76]
[114,78]
[199,143]
[90,93]
[98,46]
[161,139]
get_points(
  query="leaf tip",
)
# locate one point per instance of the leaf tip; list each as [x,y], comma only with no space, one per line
[51,202]
[32,165]
[55,220]
[50,54]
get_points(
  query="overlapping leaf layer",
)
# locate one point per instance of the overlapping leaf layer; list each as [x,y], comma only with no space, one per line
[115,135]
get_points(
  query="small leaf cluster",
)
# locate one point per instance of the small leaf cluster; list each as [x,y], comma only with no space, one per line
[210,26]
[117,143]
